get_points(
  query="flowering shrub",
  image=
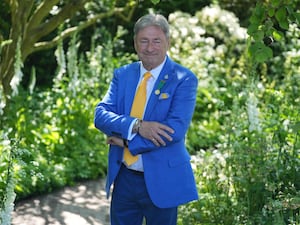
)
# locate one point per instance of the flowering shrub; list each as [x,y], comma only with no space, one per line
[207,44]
[245,130]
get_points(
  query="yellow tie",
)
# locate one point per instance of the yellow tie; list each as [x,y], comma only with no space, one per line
[137,110]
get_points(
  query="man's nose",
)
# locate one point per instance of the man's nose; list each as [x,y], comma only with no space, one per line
[150,46]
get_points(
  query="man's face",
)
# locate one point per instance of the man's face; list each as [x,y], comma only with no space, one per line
[151,45]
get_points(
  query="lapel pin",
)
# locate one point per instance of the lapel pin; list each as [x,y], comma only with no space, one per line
[160,85]
[164,96]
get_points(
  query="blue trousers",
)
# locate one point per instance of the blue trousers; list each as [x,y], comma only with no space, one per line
[131,203]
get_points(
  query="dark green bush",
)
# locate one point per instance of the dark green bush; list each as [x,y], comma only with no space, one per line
[212,46]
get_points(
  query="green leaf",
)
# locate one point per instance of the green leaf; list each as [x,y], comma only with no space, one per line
[276,3]
[297,16]
[259,52]
[252,50]
[280,14]
[284,24]
[254,20]
[271,12]
[259,11]
[290,9]
[258,35]
[252,29]
[277,35]
[264,54]
[257,16]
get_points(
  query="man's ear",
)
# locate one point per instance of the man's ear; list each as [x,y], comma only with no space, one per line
[169,42]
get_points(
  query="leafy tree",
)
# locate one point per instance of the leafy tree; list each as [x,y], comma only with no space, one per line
[34,26]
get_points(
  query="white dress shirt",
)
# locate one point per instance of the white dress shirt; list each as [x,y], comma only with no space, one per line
[138,165]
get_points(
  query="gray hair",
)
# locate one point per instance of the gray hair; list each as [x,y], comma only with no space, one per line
[152,20]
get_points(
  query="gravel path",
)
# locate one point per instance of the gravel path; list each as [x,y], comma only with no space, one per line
[83,204]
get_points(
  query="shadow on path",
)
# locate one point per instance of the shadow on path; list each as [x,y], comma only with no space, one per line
[83,204]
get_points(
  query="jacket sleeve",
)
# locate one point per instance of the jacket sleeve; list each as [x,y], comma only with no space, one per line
[109,113]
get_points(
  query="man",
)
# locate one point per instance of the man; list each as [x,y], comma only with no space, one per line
[148,161]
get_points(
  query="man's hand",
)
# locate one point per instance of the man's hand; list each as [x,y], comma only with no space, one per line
[155,132]
[115,141]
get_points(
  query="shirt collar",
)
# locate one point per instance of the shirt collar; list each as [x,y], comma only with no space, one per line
[154,72]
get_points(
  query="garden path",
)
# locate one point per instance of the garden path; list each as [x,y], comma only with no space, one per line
[83,204]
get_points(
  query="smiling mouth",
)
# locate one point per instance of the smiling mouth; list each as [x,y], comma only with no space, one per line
[151,55]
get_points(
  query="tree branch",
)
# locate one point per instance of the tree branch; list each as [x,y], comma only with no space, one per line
[40,13]
[128,17]
[68,32]
[25,7]
[68,11]
[36,33]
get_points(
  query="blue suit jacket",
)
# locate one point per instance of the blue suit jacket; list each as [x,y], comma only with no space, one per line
[168,174]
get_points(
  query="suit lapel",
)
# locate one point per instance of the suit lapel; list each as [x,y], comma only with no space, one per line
[166,74]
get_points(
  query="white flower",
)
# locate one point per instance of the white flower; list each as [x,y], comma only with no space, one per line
[253,113]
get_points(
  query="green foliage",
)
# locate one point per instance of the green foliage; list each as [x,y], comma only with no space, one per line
[248,172]
[269,20]
[56,126]
[252,178]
